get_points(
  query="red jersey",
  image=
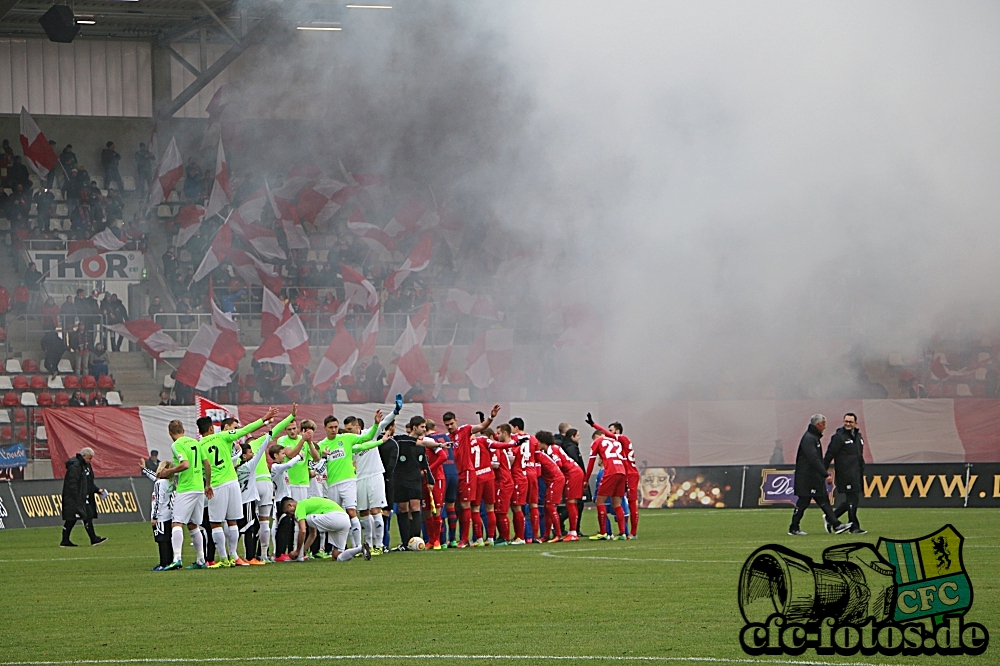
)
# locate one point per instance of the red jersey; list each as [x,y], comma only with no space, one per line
[482,457]
[628,455]
[566,464]
[502,473]
[550,470]
[463,449]
[524,459]
[436,458]
[610,452]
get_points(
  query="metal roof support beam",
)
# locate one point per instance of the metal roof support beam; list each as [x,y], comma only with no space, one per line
[182,60]
[254,35]
[192,27]
[6,6]
[219,21]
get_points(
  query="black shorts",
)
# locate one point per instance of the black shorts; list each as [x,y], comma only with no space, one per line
[407,490]
[390,496]
[450,484]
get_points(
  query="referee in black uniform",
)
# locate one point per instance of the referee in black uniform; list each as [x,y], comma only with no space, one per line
[408,479]
[847,453]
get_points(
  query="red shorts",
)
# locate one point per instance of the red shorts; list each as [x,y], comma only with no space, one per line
[504,495]
[466,486]
[520,495]
[632,483]
[532,487]
[574,485]
[612,485]
[439,488]
[554,490]
[485,489]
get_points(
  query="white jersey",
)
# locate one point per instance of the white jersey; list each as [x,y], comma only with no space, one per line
[161,508]
[246,473]
[369,463]
[280,477]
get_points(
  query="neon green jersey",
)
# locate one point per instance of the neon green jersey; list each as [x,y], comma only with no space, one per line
[263,471]
[193,478]
[218,450]
[298,474]
[315,506]
[340,453]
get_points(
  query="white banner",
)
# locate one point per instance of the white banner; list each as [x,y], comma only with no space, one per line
[121,265]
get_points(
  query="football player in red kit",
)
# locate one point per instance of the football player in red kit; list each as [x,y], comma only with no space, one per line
[485,494]
[462,438]
[525,479]
[614,431]
[612,483]
[436,458]
[555,483]
[504,482]
[573,490]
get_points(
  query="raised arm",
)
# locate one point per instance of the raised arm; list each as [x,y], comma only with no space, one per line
[599,428]
[280,428]
[282,467]
[476,429]
[260,452]
[590,463]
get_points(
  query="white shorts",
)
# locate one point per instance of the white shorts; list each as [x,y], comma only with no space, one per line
[189,507]
[316,488]
[265,488]
[298,493]
[226,503]
[336,524]
[344,493]
[371,492]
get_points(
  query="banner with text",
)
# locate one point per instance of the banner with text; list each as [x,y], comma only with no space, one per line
[122,265]
[39,503]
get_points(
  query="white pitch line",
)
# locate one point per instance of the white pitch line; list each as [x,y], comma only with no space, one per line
[479,657]
[640,559]
[78,559]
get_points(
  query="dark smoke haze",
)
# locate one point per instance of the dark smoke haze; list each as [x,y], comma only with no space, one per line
[745,192]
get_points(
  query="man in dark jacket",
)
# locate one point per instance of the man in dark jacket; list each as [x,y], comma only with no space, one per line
[79,501]
[810,478]
[847,453]
[53,348]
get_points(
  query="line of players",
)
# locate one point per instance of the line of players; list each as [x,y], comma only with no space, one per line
[339,490]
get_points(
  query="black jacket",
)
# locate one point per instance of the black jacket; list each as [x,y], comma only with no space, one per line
[79,490]
[572,449]
[847,452]
[810,472]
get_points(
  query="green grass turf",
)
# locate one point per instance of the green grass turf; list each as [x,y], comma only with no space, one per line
[670,593]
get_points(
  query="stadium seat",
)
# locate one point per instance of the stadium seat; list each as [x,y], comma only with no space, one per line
[457,378]
[10,399]
[105,382]
[244,397]
[21,434]
[6,433]
[963,391]
[20,415]
[62,399]
[72,382]
[3,334]
[62,210]
[341,395]
[347,381]
[90,396]
[168,382]
[13,366]
[45,399]
[88,382]
[40,434]
[56,383]
[38,383]
[164,211]
[249,381]
[114,398]
[5,384]
[21,383]
[29,365]
[463,395]
[449,394]
[356,395]
[29,399]
[4,416]
[65,367]
[979,390]
[36,416]
[286,381]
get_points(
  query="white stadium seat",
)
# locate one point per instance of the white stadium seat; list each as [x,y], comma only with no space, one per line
[65,367]
[28,399]
[5,384]
[56,383]
[114,398]
[13,366]
[40,434]
[4,416]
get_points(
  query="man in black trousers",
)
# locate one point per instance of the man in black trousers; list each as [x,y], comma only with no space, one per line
[847,453]
[810,478]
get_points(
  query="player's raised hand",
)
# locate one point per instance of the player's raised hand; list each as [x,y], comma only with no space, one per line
[482,416]
[399,404]
[378,416]
[271,413]
[295,409]
[494,411]
[590,420]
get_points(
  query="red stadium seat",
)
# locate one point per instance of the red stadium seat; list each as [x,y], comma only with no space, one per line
[6,433]
[105,382]
[29,365]
[39,383]
[21,434]
[249,381]
[88,382]
[20,415]
[62,399]
[3,334]
[457,378]
[44,400]
[21,383]
[36,415]
[245,398]
[356,395]
[90,396]
[10,399]
[71,382]
[347,381]
[449,394]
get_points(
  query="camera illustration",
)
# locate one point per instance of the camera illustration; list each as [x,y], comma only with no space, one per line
[852,584]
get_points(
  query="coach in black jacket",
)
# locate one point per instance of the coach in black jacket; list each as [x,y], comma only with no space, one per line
[79,501]
[847,453]
[810,478]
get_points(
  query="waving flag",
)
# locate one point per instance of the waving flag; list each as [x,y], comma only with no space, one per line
[413,216]
[452,229]
[411,366]
[371,235]
[489,356]
[339,359]
[357,288]
[419,259]
[253,270]
[251,209]
[287,215]
[340,314]
[35,146]
[475,306]
[221,194]
[189,221]
[213,410]
[263,241]
[442,372]
[212,357]
[287,345]
[322,201]
[100,243]
[147,334]
[167,175]
[218,251]
[369,337]
[420,322]
[272,313]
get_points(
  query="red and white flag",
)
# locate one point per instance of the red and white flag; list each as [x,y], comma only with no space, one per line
[263,241]
[411,366]
[147,334]
[413,216]
[220,319]
[357,288]
[373,188]
[100,243]
[272,313]
[339,359]
[251,209]
[213,410]
[369,337]
[287,345]
[420,323]
[212,357]
[340,314]
[489,356]
[288,216]
[475,306]
[376,239]
[442,372]
[218,251]
[167,175]
[452,230]
[37,151]
[322,201]
[221,194]
[419,259]
[189,221]
[253,270]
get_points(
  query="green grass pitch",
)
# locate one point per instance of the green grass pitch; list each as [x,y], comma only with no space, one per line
[671,595]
